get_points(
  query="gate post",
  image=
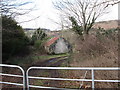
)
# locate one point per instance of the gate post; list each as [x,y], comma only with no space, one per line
[93,79]
[27,79]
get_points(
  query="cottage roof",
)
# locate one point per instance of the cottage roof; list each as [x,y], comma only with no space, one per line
[51,41]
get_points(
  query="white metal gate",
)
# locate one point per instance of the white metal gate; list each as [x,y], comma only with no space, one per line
[11,75]
[26,75]
[92,69]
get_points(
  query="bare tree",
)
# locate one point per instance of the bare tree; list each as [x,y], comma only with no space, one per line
[85,12]
[15,7]
[109,2]
[18,8]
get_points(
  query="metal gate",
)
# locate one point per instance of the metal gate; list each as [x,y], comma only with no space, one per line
[26,82]
[11,75]
[92,69]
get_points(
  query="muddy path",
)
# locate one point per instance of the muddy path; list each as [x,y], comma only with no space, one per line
[49,62]
[54,62]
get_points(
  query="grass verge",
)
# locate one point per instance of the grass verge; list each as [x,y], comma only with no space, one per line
[28,60]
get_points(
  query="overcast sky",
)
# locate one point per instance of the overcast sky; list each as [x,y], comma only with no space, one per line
[48,15]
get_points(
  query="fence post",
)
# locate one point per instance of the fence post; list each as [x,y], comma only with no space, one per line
[93,79]
[27,79]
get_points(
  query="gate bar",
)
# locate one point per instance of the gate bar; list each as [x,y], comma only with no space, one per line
[77,68]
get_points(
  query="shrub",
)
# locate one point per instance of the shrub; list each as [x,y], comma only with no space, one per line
[38,44]
[38,35]
[75,27]
[14,40]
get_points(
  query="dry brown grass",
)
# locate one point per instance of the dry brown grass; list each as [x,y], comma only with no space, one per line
[95,51]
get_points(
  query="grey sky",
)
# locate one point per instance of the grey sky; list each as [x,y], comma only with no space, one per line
[48,15]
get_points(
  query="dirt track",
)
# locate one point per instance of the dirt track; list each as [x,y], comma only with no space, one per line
[54,62]
[50,62]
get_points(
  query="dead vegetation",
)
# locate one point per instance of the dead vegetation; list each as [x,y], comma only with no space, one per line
[97,50]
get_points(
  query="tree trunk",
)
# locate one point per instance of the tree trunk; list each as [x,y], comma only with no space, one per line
[85,34]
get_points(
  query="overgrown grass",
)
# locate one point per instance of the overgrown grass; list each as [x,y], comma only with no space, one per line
[28,60]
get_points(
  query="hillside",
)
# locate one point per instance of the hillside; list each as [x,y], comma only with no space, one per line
[107,24]
[97,50]
[30,31]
